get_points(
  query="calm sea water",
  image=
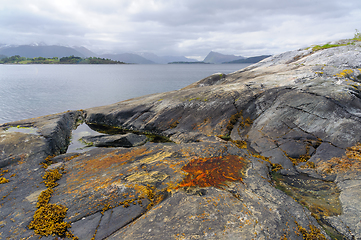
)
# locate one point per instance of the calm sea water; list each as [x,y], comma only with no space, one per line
[28,91]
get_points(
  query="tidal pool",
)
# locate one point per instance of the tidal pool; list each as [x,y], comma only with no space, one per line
[27,130]
[76,145]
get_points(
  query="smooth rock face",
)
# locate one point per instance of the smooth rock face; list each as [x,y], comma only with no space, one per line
[291,116]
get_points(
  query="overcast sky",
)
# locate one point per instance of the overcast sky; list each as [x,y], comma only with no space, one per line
[179,27]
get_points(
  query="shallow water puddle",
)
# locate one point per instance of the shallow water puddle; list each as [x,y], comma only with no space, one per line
[319,196]
[27,130]
[76,145]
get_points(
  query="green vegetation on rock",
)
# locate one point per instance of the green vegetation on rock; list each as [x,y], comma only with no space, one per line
[325,46]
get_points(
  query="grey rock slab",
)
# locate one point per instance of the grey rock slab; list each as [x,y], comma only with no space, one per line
[15,147]
[214,215]
[116,218]
[277,156]
[18,198]
[214,79]
[118,140]
[294,149]
[86,227]
[325,152]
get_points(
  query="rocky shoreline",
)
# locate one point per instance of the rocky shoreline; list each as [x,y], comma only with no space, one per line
[268,152]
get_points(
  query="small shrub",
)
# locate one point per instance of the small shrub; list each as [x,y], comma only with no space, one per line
[357,36]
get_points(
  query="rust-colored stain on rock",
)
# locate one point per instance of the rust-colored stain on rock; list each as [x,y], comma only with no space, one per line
[214,171]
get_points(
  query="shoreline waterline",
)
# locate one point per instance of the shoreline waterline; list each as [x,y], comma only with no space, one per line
[29,91]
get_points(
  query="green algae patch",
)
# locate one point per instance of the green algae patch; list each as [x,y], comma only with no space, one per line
[325,46]
[112,130]
[214,171]
[106,129]
[320,197]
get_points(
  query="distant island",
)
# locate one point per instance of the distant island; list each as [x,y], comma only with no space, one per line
[55,60]
[182,62]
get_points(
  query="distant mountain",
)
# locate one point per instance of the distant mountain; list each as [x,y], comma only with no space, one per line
[127,58]
[86,52]
[165,59]
[214,57]
[179,59]
[188,62]
[250,59]
[152,57]
[2,56]
[32,51]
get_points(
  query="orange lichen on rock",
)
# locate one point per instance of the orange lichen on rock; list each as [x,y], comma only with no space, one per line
[214,171]
[3,180]
[85,174]
[313,233]
[354,152]
[47,161]
[351,161]
[113,158]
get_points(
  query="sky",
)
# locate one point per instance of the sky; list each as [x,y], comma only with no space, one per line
[189,28]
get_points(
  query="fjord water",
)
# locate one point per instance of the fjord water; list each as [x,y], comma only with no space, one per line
[28,91]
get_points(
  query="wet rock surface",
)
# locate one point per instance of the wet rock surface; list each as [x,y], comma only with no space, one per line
[268,152]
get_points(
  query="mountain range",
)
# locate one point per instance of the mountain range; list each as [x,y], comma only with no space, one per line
[250,59]
[214,57]
[50,51]
[31,51]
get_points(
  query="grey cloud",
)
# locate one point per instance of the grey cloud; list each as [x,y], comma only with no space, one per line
[187,27]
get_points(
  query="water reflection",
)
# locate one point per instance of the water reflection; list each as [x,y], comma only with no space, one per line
[76,145]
